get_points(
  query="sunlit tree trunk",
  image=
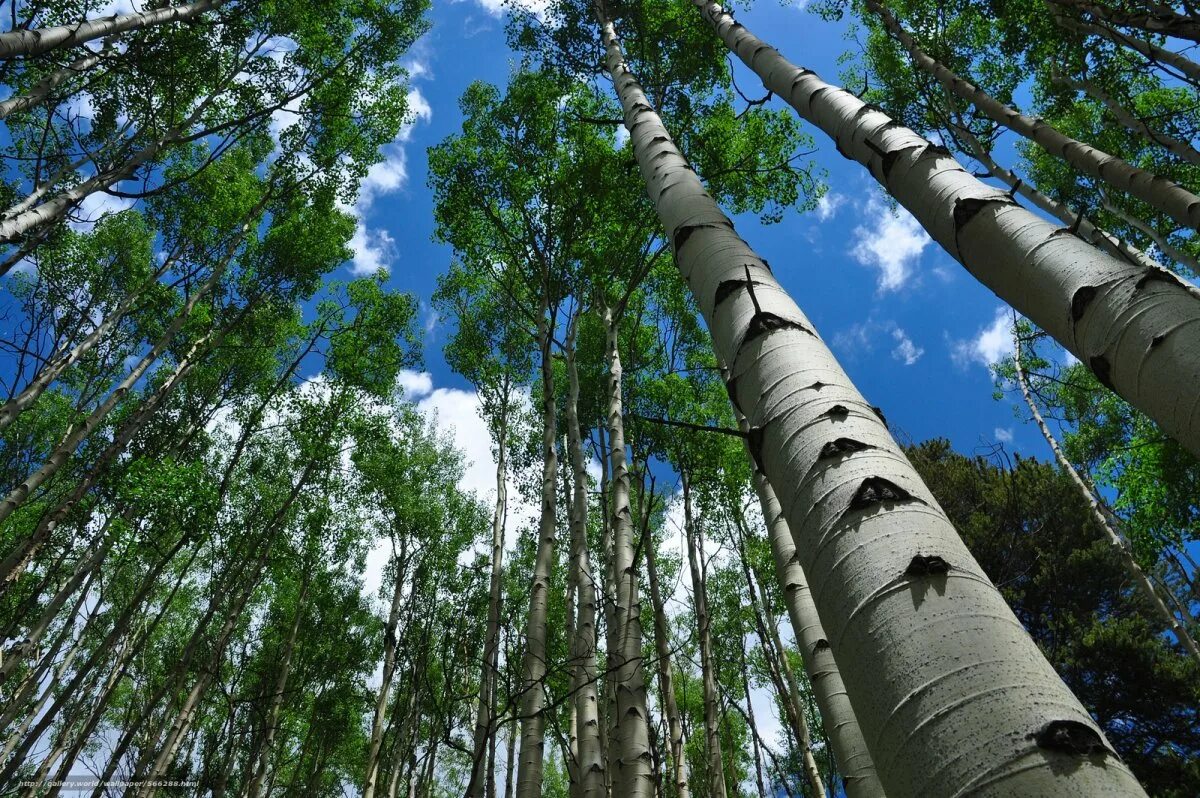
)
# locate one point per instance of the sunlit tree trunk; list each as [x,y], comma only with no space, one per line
[925,642]
[634,777]
[1164,195]
[35,41]
[533,666]
[590,759]
[1130,325]
[1114,537]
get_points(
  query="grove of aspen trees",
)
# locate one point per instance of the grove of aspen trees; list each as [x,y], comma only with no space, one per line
[339,460]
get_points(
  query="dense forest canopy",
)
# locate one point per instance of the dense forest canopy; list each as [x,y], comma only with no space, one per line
[354,447]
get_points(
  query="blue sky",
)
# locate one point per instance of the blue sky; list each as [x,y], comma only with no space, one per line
[912,328]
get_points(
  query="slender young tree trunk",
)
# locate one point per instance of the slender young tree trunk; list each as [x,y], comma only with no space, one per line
[63,452]
[841,725]
[510,770]
[781,670]
[533,667]
[1129,325]
[712,723]
[1158,192]
[1084,227]
[1164,246]
[38,93]
[391,645]
[634,777]
[666,686]
[278,691]
[590,759]
[610,740]
[925,642]
[1114,537]
[35,41]
[1161,20]
[750,721]
[486,715]
[1177,147]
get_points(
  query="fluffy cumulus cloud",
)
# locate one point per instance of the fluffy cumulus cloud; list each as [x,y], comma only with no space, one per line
[990,345]
[375,249]
[905,351]
[498,7]
[1003,434]
[890,241]
[828,205]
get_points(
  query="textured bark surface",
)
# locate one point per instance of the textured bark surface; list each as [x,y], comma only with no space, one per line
[634,777]
[1187,68]
[590,762]
[1114,538]
[1165,195]
[1137,329]
[38,92]
[952,695]
[837,716]
[533,665]
[41,40]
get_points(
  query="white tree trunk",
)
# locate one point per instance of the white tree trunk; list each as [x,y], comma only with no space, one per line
[635,777]
[1134,327]
[590,758]
[26,43]
[533,667]
[951,693]
[1160,193]
[1115,539]
[38,93]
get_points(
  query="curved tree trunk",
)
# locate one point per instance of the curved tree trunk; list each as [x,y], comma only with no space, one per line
[1115,539]
[1132,326]
[1187,68]
[925,642]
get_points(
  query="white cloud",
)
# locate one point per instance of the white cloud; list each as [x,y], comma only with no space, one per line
[622,136]
[498,7]
[415,384]
[890,241]
[990,345]
[905,351]
[862,337]
[94,207]
[828,205]
[1003,434]
[373,250]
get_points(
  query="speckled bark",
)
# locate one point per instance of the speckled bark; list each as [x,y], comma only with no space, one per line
[1158,192]
[952,695]
[1138,329]
[41,40]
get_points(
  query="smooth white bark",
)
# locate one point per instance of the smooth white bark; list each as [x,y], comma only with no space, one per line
[1114,538]
[1158,192]
[1137,329]
[952,695]
[36,41]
